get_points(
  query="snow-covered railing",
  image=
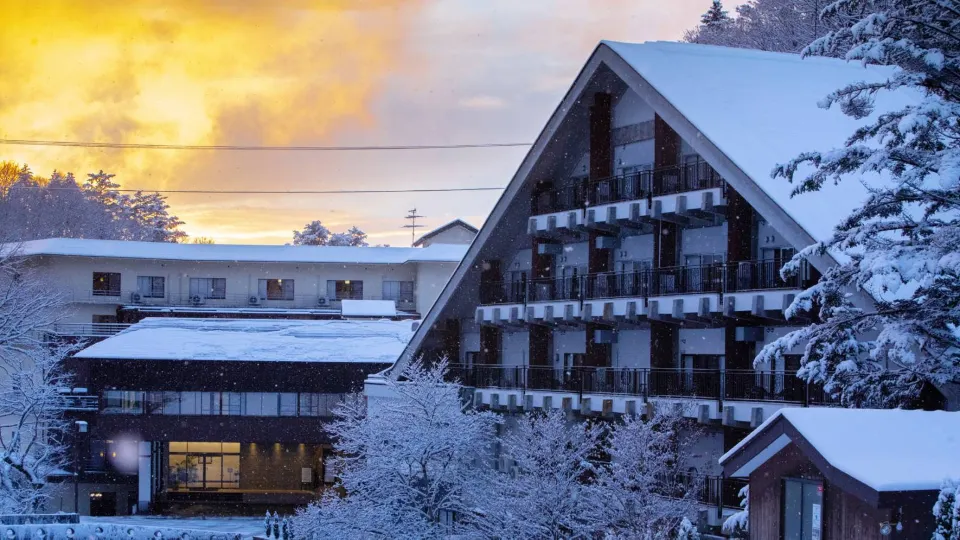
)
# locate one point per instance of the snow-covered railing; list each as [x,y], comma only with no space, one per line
[724,385]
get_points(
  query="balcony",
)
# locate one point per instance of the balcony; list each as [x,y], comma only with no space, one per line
[782,387]
[632,198]
[231,300]
[744,286]
[89,403]
[91,330]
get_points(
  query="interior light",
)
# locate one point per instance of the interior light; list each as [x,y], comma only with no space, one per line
[886,528]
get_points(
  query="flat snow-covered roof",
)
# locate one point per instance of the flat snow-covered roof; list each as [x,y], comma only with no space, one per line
[760,109]
[887,450]
[81,247]
[284,340]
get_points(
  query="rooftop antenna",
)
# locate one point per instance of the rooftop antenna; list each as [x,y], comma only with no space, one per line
[412,216]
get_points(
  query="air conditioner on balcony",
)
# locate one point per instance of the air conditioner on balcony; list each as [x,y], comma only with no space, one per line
[196,299]
[254,300]
[136,298]
[322,301]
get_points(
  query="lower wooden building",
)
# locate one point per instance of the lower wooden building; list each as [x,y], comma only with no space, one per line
[220,415]
[837,474]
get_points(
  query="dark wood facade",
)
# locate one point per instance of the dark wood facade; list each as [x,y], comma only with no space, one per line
[850,509]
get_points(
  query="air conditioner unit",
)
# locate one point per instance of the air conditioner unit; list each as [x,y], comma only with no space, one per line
[322,301]
[196,299]
[254,300]
[136,298]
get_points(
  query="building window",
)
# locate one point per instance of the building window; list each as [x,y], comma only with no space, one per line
[261,404]
[123,402]
[288,404]
[106,283]
[150,286]
[802,515]
[276,289]
[398,291]
[345,289]
[213,288]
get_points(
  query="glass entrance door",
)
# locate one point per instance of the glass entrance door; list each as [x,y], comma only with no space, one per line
[802,510]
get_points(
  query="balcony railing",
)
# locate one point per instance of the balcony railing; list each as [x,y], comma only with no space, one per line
[580,193]
[692,176]
[503,292]
[724,385]
[87,329]
[82,402]
[232,300]
[713,278]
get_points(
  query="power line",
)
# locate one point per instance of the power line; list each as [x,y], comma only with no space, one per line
[276,192]
[234,147]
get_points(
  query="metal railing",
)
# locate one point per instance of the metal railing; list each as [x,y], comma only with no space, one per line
[580,193]
[503,292]
[87,329]
[713,384]
[691,176]
[707,279]
[82,402]
[230,300]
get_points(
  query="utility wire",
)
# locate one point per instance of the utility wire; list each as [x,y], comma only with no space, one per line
[233,147]
[276,192]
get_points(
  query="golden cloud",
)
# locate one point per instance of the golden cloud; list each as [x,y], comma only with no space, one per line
[187,72]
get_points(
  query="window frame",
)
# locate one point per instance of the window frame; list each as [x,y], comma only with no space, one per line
[285,289]
[106,280]
[151,291]
[206,287]
[335,290]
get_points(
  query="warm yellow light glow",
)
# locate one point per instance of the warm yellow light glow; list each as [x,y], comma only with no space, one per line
[186,72]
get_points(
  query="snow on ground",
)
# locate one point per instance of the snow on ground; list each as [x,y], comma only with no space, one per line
[82,247]
[368,308]
[760,109]
[888,450]
[247,527]
[284,340]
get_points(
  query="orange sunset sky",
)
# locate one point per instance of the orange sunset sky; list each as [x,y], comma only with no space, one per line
[363,72]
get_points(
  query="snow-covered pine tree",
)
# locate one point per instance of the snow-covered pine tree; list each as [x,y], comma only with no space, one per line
[152,213]
[738,524]
[766,25]
[406,482]
[546,490]
[312,234]
[715,15]
[946,512]
[900,247]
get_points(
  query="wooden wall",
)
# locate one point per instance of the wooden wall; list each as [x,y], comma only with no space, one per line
[845,516]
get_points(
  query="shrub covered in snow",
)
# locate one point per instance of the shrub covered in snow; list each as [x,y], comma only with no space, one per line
[738,524]
[946,512]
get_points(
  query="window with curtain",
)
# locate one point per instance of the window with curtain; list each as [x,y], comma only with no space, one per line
[213,288]
[276,289]
[150,286]
[345,289]
[398,291]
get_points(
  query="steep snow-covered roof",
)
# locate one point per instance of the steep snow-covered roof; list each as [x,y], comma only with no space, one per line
[242,253]
[887,450]
[262,340]
[760,109]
